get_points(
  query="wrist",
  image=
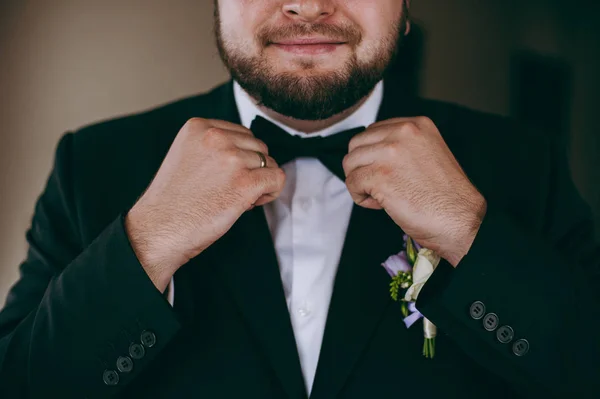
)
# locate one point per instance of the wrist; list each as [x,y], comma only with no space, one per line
[157,255]
[467,232]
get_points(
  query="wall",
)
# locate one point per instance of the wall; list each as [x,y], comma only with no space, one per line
[67,63]
[469,44]
[467,52]
[583,51]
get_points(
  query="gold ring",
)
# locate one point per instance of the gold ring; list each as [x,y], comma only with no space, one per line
[263,159]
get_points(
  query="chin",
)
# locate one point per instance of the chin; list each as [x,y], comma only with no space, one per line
[310,73]
[321,63]
[309,67]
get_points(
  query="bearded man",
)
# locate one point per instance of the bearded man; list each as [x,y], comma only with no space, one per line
[230,245]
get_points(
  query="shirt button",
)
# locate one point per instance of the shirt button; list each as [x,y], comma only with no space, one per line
[305,203]
[303,312]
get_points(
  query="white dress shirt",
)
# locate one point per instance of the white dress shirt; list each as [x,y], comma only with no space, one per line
[308,223]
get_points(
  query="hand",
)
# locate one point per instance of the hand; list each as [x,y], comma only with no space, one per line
[209,178]
[404,166]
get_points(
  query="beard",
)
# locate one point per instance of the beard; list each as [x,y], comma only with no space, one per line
[311,97]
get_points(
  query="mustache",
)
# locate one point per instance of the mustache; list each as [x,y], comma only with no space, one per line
[342,33]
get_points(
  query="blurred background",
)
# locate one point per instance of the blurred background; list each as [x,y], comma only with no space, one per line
[68,63]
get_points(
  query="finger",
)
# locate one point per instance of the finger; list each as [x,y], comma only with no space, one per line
[369,137]
[370,203]
[225,125]
[391,122]
[246,142]
[416,120]
[365,155]
[265,199]
[219,139]
[267,182]
[360,185]
[249,159]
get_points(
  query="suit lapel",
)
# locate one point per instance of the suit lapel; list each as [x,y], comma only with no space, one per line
[245,257]
[361,289]
[249,266]
[360,296]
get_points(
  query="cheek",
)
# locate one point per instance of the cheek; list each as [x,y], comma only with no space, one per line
[378,19]
[236,28]
[241,20]
[379,9]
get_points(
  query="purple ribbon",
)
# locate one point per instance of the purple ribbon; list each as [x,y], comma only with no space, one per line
[413,317]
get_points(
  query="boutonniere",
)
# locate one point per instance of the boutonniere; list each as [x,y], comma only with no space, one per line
[409,270]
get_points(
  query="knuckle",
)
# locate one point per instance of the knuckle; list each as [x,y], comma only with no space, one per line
[423,120]
[351,180]
[192,126]
[194,123]
[346,161]
[410,128]
[232,157]
[354,142]
[196,120]
[391,150]
[214,135]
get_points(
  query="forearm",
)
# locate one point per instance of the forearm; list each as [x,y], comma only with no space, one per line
[543,297]
[89,315]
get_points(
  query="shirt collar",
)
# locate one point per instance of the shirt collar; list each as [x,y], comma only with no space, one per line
[365,115]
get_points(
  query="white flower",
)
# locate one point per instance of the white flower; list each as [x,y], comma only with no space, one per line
[424,266]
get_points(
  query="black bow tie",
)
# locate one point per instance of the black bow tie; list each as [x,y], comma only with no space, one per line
[284,147]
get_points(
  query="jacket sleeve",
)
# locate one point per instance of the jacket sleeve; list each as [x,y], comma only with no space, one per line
[79,322]
[524,303]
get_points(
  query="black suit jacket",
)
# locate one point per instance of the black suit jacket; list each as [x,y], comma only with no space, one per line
[83,299]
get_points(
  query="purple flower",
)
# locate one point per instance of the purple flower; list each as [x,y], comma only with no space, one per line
[396,264]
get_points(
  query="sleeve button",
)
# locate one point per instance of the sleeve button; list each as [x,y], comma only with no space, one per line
[148,339]
[521,347]
[137,351]
[490,321]
[110,377]
[477,310]
[505,334]
[124,364]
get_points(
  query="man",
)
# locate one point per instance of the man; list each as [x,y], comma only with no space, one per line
[201,250]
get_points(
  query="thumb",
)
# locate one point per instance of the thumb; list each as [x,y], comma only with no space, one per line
[370,203]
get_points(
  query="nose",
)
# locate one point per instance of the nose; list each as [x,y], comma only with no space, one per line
[308,10]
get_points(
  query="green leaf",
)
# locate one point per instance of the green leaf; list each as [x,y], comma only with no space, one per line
[404,308]
[411,251]
[395,287]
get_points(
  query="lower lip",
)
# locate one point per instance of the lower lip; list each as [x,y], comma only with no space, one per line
[319,48]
